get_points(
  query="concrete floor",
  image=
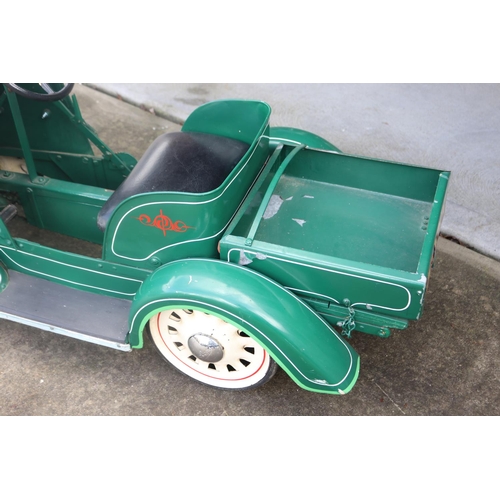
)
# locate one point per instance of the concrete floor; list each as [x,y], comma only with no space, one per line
[448,363]
[445,126]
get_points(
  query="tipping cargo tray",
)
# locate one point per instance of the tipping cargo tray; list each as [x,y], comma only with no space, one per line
[357,209]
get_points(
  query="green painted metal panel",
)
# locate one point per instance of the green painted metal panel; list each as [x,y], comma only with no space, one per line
[352,224]
[56,141]
[73,270]
[294,136]
[60,206]
[306,347]
[236,119]
[46,126]
[377,176]
[329,279]
[171,225]
[340,228]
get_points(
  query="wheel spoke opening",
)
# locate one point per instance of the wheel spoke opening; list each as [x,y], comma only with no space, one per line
[174,316]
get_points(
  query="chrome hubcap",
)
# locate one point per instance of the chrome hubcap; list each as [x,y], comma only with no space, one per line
[206,348]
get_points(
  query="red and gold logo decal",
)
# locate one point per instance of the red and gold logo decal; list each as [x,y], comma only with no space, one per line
[164,223]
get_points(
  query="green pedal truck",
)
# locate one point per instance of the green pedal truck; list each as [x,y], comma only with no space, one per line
[234,246]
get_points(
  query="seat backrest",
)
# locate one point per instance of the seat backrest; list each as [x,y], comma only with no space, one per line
[237,119]
[190,162]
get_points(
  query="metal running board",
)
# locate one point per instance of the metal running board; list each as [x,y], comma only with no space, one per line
[57,308]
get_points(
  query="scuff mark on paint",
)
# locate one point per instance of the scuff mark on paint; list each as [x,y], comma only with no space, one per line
[244,260]
[273,206]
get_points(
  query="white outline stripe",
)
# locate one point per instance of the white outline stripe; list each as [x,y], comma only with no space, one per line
[336,272]
[188,203]
[312,293]
[67,265]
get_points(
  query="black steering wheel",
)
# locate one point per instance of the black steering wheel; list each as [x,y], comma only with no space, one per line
[50,94]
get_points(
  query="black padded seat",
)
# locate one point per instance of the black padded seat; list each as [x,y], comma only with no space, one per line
[189,162]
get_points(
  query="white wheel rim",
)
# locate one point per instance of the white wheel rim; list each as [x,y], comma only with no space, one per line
[244,362]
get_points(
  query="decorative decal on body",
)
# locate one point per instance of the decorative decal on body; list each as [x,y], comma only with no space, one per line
[164,223]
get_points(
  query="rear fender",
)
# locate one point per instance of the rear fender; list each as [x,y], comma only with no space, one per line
[314,355]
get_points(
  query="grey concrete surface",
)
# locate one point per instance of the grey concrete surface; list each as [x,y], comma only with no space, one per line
[450,127]
[448,363]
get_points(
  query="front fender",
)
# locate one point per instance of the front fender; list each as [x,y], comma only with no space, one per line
[315,356]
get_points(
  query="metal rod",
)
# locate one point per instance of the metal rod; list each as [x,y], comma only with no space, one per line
[21,132]
[269,192]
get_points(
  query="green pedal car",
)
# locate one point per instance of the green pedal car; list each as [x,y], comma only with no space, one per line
[234,246]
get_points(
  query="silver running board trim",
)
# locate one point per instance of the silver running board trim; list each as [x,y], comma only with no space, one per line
[65,332]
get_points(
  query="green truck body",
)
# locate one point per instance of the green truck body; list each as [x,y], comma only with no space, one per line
[297,246]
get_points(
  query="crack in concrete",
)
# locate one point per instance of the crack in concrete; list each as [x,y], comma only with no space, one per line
[392,400]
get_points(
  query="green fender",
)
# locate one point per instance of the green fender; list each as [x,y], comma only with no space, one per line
[315,356]
[279,135]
